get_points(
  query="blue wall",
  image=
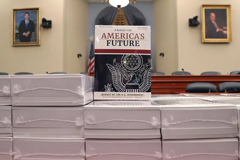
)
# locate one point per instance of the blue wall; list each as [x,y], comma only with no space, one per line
[95,8]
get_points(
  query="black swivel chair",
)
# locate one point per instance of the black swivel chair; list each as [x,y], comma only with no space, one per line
[235,73]
[157,73]
[23,73]
[178,73]
[201,88]
[229,87]
[211,73]
[58,73]
[3,73]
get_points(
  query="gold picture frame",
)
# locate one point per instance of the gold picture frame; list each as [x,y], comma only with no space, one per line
[26,27]
[216,24]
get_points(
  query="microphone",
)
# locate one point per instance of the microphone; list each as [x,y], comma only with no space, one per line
[182,69]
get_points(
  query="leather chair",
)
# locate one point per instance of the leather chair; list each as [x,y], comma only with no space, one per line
[178,73]
[211,73]
[229,87]
[201,88]
[157,73]
[58,73]
[3,73]
[235,73]
[23,73]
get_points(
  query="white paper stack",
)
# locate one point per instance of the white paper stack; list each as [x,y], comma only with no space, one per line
[48,121]
[48,149]
[5,121]
[219,97]
[122,120]
[201,96]
[160,96]
[231,95]
[171,97]
[122,130]
[5,91]
[51,90]
[208,149]
[196,119]
[235,101]
[6,152]
[48,116]
[123,149]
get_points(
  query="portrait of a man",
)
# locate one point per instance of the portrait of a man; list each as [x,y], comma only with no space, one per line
[26,27]
[216,24]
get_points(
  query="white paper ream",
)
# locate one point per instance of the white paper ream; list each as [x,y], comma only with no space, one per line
[5,121]
[205,149]
[122,120]
[195,118]
[6,152]
[48,121]
[5,90]
[48,149]
[123,149]
[51,90]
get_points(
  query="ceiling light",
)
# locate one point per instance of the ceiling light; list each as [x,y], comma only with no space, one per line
[119,3]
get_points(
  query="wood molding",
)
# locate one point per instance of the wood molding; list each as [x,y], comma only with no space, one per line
[177,84]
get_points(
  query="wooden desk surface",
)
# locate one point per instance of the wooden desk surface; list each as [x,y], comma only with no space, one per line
[177,84]
[169,84]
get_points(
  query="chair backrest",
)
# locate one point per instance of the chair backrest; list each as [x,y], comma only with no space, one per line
[158,73]
[235,73]
[229,87]
[85,73]
[181,73]
[211,73]
[201,88]
[23,73]
[3,73]
[58,73]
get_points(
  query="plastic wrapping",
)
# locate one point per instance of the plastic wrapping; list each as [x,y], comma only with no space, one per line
[173,97]
[5,121]
[48,149]
[167,95]
[236,101]
[48,121]
[125,117]
[195,118]
[6,152]
[124,149]
[208,149]
[51,90]
[5,90]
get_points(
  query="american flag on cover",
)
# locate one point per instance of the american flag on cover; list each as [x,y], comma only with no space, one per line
[91,59]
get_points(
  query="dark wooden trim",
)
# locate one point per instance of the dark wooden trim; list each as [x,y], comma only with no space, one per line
[167,84]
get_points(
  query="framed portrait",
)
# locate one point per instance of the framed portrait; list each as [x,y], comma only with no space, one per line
[26,27]
[216,24]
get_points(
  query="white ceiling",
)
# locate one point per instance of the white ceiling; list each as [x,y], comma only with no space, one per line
[90,1]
